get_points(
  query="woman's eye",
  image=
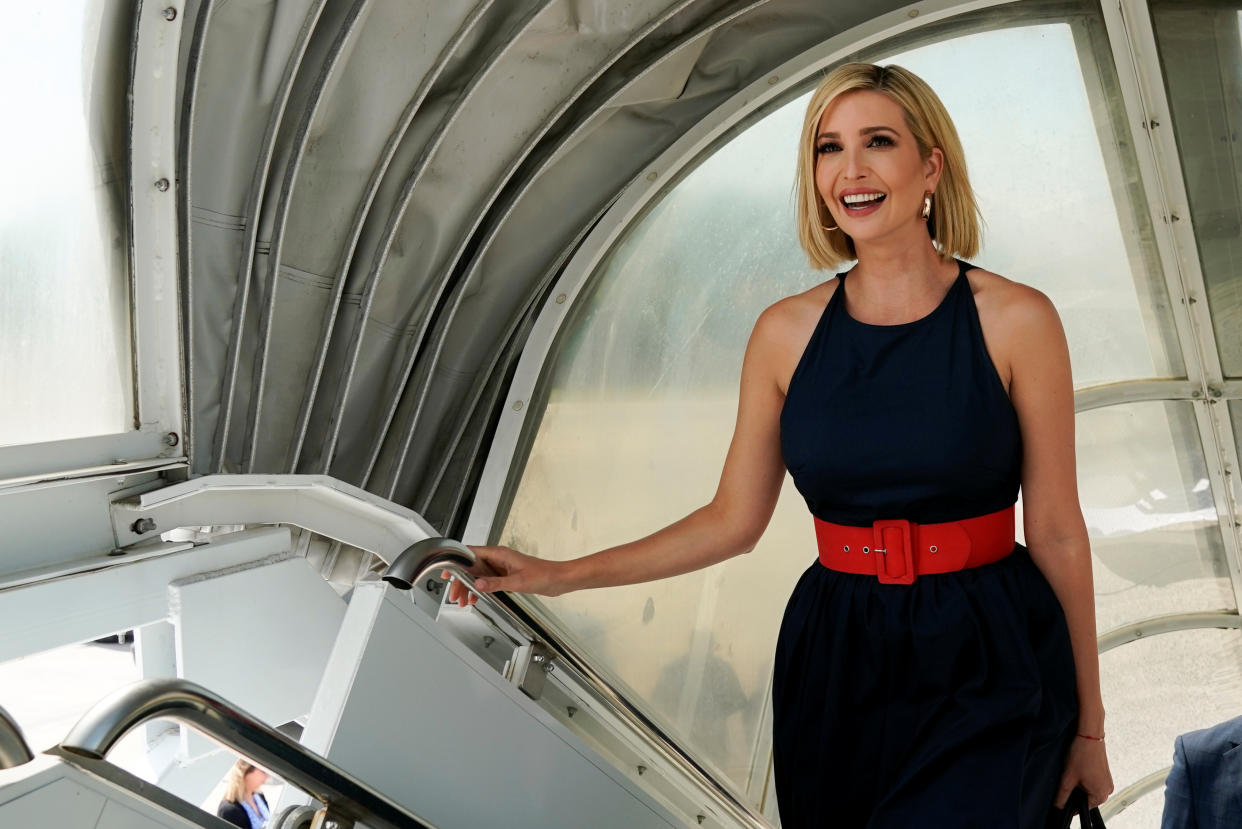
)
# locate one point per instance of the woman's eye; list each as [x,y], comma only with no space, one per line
[827,148]
[881,141]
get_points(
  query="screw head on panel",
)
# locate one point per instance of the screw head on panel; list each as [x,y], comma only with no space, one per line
[143,525]
[171,439]
[161,185]
[170,14]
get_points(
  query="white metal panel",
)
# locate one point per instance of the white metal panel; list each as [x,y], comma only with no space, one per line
[420,718]
[48,799]
[45,614]
[258,636]
[48,793]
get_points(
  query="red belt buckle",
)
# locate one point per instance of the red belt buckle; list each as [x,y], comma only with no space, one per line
[894,541]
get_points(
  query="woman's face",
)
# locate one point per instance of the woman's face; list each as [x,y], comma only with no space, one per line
[255,778]
[868,169]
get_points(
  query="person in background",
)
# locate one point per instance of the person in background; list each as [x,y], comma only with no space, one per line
[243,804]
[1204,788]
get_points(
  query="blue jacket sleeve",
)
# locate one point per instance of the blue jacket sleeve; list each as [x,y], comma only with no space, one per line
[1179,801]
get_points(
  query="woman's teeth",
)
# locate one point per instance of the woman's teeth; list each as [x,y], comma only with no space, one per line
[862,199]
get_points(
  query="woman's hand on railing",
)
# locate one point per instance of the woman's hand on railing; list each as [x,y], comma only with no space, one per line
[503,568]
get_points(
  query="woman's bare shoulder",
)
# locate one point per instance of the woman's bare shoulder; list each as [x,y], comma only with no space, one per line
[785,327]
[1008,302]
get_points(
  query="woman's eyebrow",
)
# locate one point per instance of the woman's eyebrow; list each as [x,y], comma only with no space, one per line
[863,131]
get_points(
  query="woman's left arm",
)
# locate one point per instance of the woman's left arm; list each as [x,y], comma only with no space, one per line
[1042,392]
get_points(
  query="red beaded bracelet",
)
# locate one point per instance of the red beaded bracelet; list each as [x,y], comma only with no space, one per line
[1099,739]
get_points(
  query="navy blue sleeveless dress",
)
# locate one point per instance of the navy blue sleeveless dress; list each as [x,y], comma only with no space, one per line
[950,702]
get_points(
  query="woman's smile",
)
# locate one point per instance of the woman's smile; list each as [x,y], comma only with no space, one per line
[861,202]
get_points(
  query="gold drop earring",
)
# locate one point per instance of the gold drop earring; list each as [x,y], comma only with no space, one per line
[824,226]
[926,214]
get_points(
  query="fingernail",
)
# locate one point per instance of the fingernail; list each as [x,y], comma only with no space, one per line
[482,584]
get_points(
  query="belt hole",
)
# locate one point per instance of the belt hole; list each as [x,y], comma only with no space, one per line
[846,548]
[866,549]
[933,548]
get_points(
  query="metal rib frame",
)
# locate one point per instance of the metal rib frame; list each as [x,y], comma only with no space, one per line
[360,217]
[1142,85]
[1127,797]
[507,203]
[258,186]
[390,232]
[185,263]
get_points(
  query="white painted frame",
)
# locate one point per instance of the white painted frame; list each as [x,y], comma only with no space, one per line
[154,305]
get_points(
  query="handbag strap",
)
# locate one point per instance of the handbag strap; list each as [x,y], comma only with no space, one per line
[1076,804]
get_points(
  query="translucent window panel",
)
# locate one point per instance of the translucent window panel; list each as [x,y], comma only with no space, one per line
[1155,539]
[65,353]
[1201,56]
[1155,689]
[638,402]
[1049,156]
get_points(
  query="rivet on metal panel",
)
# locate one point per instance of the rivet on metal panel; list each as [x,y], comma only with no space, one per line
[642,770]
[1196,393]
[161,185]
[517,405]
[913,13]
[652,176]
[560,299]
[1215,391]
[143,525]
[172,439]
[773,80]
[116,551]
[170,14]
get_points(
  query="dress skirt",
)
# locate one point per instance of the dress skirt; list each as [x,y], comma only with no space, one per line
[950,702]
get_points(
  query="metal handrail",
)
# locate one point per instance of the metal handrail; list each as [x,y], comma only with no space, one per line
[444,554]
[124,710]
[13,749]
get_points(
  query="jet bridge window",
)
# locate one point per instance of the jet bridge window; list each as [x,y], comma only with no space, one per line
[66,363]
[639,397]
[1201,57]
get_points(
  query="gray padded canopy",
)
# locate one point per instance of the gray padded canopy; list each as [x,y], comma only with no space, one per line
[377,195]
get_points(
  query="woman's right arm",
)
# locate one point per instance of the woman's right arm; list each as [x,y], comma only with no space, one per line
[729,525]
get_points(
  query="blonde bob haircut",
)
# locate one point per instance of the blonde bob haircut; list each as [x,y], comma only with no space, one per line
[954,221]
[235,781]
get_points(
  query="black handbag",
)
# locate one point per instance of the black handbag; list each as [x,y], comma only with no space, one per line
[1076,804]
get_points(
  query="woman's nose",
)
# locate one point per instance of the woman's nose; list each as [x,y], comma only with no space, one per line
[853,167]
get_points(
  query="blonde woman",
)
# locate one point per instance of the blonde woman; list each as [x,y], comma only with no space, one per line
[930,671]
[243,804]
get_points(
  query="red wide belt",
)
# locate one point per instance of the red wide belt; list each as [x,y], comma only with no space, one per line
[896,551]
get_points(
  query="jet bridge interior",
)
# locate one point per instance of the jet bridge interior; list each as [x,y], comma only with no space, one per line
[298,295]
